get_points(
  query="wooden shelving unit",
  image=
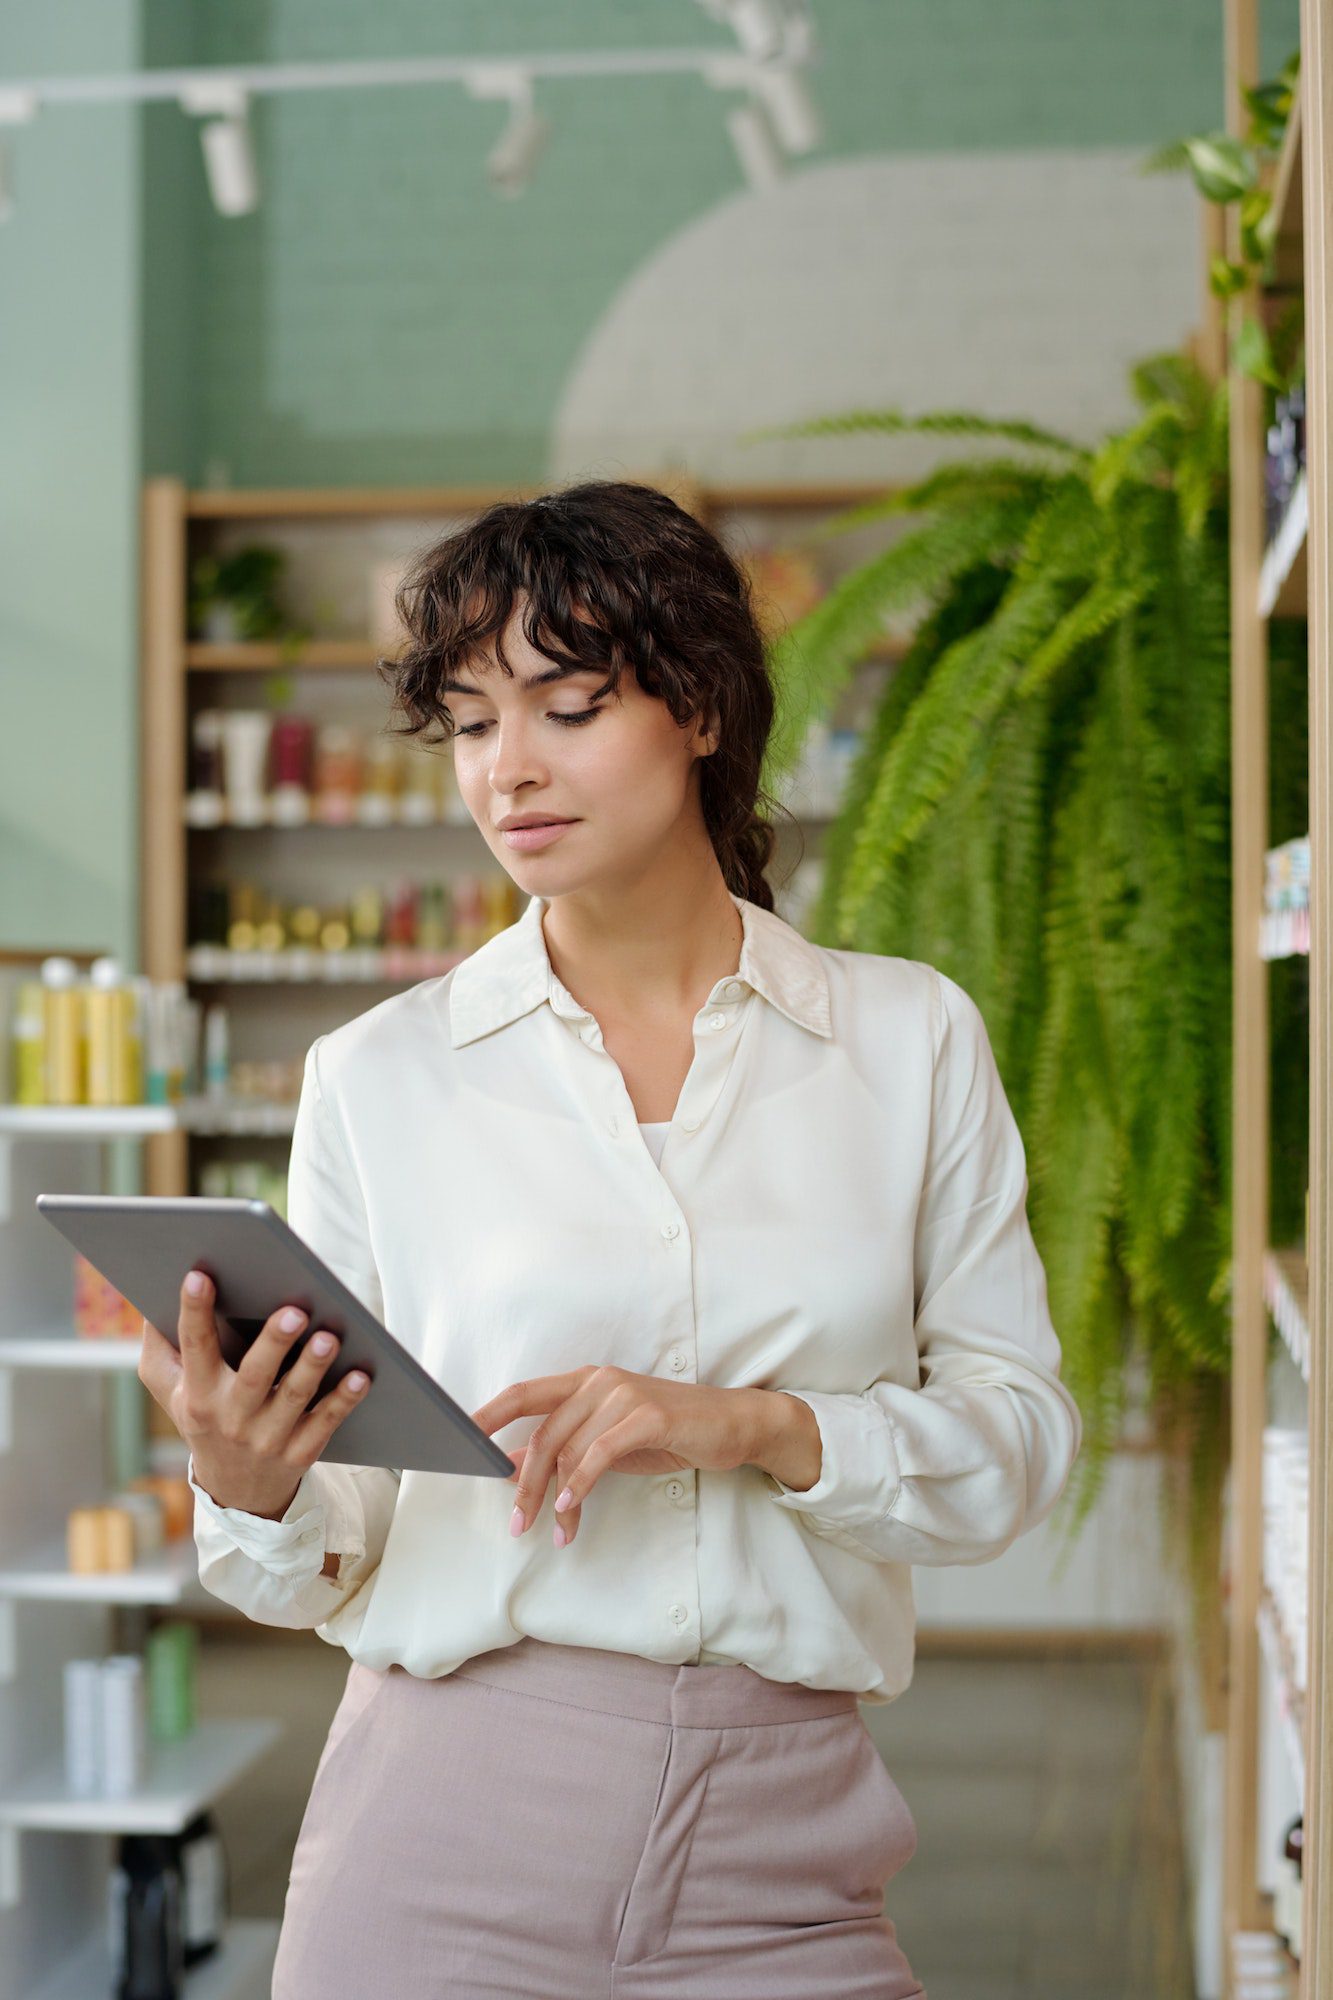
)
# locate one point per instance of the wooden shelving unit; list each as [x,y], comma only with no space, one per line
[286,997]
[56,1846]
[1277,1736]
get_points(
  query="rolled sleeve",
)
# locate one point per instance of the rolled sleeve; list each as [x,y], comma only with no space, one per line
[273,1570]
[956,1469]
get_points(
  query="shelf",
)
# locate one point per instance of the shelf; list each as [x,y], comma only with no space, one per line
[225,825]
[167,1577]
[1290,1704]
[191,1114]
[1283,590]
[85,1121]
[241,1969]
[183,1777]
[63,1350]
[1287,1296]
[266,656]
[214,963]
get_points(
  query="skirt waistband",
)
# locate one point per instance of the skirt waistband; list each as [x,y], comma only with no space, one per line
[698,1697]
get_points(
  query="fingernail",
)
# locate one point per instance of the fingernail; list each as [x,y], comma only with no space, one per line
[322,1342]
[560,1536]
[565,1498]
[291,1319]
[516,1521]
[195,1283]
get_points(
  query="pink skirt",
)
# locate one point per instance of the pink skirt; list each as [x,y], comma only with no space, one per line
[564,1823]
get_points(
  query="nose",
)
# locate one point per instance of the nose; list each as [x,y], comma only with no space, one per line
[515,761]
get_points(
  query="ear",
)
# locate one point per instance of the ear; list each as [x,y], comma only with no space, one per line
[707,737]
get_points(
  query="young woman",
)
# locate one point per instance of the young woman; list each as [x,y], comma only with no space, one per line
[724,1234]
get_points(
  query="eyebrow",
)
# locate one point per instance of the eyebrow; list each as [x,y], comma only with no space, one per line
[454,686]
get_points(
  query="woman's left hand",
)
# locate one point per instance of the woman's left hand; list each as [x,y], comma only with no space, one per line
[603,1419]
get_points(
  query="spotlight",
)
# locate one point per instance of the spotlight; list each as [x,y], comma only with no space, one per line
[228,145]
[759,154]
[791,108]
[17,107]
[515,153]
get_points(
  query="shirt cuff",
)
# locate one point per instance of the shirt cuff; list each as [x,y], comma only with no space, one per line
[292,1547]
[859,1476]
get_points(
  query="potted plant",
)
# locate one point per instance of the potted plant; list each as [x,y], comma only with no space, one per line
[236,598]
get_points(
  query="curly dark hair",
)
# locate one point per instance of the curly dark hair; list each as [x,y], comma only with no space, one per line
[661,593]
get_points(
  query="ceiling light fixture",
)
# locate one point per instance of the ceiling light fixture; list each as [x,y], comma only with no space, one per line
[510,162]
[228,144]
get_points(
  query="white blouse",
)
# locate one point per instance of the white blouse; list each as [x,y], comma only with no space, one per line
[838,1211]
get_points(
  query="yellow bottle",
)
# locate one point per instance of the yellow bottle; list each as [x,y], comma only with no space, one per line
[27,1044]
[63,1032]
[111,1004]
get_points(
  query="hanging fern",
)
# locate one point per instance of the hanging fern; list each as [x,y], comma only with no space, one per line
[1040,806]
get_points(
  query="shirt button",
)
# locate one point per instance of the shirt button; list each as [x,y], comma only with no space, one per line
[731,990]
[678,1614]
[674,1489]
[670,1229]
[717,1020]
[689,1124]
[677,1360]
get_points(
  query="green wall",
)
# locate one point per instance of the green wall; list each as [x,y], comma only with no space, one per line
[70,418]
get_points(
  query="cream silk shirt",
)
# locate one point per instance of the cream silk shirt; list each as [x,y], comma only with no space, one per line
[839,1211]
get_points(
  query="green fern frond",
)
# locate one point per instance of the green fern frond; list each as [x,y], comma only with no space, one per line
[938,423]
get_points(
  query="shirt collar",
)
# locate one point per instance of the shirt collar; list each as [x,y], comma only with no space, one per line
[512,973]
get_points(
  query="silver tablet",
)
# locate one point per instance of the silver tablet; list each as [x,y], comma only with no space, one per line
[145,1244]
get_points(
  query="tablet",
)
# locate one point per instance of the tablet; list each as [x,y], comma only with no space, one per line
[145,1245]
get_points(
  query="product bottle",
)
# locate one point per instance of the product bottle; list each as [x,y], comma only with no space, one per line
[111,1008]
[217,1067]
[63,1032]
[1286,1890]
[145,1932]
[28,1044]
[206,1887]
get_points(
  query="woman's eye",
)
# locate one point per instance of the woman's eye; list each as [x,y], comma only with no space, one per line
[570,721]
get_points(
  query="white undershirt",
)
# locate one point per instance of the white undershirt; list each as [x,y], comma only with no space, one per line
[655,1136]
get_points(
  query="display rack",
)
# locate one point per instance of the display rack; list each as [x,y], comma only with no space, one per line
[331,536]
[56,1848]
[1277,1753]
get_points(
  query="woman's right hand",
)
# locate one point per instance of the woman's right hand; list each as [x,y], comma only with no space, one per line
[251,1441]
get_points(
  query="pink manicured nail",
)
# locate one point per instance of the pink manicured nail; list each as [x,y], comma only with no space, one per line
[560,1536]
[516,1521]
[563,1501]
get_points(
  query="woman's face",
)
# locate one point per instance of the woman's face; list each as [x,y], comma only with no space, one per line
[619,771]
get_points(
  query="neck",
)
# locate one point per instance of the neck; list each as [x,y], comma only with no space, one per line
[652,952]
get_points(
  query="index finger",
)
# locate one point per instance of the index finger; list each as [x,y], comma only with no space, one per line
[201,1356]
[525,1399]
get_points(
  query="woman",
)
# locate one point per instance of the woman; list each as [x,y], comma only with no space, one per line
[732,1227]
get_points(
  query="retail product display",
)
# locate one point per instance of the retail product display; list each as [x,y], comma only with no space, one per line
[815,785]
[1259,1968]
[167,1908]
[1284,456]
[411,929]
[1285,923]
[251,1180]
[110,1039]
[250,767]
[1286,1498]
[106,1726]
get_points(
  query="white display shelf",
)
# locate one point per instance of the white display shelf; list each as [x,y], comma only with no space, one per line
[199,818]
[240,1970]
[1284,934]
[1289,1704]
[1286,1294]
[85,1121]
[1282,578]
[182,1779]
[63,1350]
[296,966]
[243,1115]
[170,1575]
